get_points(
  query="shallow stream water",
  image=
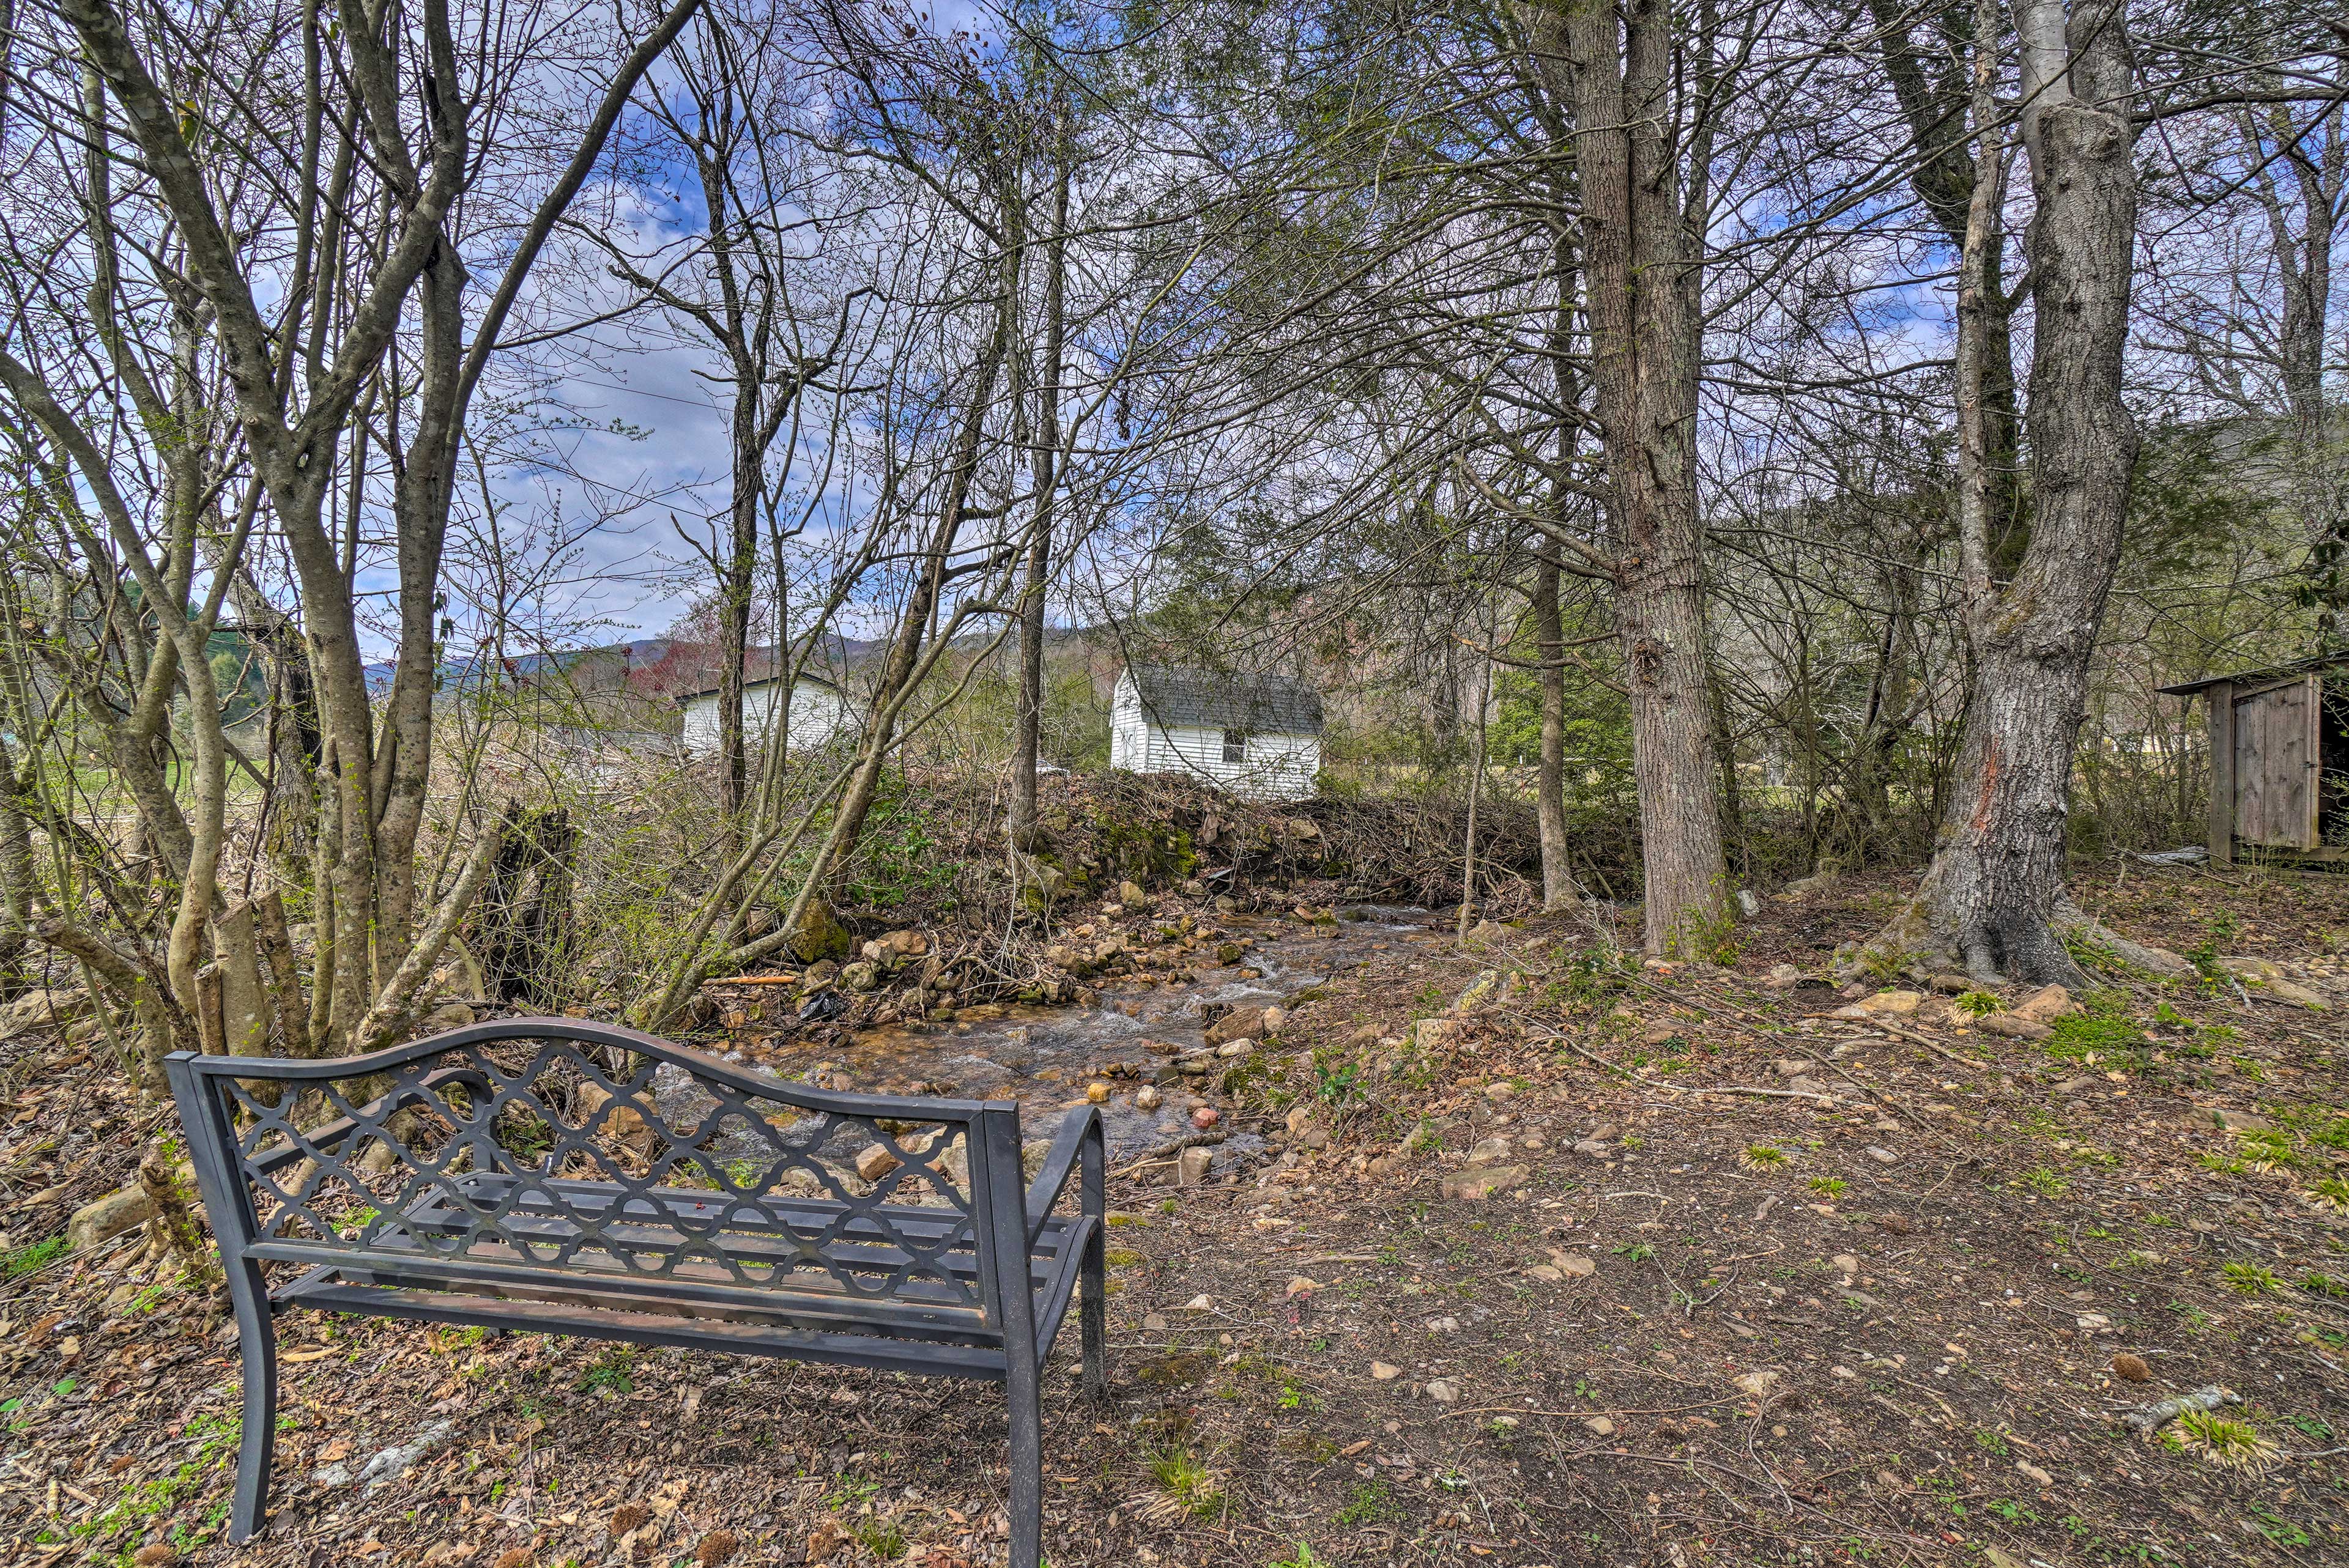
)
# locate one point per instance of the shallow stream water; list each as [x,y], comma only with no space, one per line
[1136,1033]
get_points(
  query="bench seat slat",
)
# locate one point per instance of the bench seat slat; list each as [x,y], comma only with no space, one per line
[648,1322]
[762,1251]
[734,1227]
[478,1270]
[701,1285]
[862,1245]
[740,1215]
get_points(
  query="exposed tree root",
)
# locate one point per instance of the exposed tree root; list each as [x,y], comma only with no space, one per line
[2084,929]
[1913,942]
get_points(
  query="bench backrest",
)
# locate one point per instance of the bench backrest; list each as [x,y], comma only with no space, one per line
[530,1154]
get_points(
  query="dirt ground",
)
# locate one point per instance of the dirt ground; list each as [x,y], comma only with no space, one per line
[1519,1286]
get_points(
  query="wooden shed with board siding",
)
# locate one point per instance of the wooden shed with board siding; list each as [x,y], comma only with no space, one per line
[2279,758]
[1257,736]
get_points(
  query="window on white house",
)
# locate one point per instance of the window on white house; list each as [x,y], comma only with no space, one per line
[1235,746]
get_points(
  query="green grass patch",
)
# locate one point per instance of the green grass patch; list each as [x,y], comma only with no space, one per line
[18,1262]
[1190,1484]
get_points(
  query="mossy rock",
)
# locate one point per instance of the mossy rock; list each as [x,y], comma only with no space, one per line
[820,934]
[1145,853]
[1252,1072]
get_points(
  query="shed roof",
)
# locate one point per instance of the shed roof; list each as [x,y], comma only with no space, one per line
[807,678]
[1266,705]
[2271,672]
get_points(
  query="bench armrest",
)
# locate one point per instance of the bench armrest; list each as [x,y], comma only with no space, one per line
[1080,1137]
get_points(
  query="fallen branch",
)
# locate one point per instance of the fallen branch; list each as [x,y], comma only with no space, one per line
[1877,1092]
[1165,1152]
[1610,1067]
[2147,1419]
[1898,1033]
[1583,1414]
[1772,1093]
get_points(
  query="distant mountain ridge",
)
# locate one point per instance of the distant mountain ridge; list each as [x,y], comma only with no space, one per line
[652,666]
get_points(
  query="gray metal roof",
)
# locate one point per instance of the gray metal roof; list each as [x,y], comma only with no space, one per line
[2272,672]
[807,678]
[1266,705]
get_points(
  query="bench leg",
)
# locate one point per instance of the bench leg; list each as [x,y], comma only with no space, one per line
[256,1339]
[1026,1462]
[1093,1316]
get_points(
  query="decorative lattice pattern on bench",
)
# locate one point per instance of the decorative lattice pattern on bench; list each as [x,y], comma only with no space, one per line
[505,1160]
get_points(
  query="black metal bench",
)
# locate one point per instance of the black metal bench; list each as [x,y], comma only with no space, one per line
[521,1175]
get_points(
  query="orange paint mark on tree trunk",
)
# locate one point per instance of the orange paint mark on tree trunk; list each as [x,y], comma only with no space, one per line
[1989,785]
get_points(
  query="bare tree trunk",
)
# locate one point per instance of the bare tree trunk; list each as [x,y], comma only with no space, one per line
[2316,156]
[1039,542]
[1476,794]
[1642,273]
[1549,790]
[736,571]
[1994,896]
[1935,96]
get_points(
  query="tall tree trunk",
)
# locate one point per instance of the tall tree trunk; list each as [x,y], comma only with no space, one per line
[1558,886]
[1934,96]
[1039,542]
[1642,274]
[2316,155]
[734,592]
[1549,788]
[738,566]
[427,484]
[1994,897]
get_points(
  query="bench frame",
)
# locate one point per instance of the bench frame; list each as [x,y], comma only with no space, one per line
[951,1306]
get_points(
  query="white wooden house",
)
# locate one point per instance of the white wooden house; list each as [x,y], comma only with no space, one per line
[1255,736]
[819,712]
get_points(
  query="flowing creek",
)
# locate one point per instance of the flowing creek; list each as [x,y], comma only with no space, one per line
[1136,1033]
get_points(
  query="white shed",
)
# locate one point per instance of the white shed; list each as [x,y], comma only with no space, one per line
[1256,736]
[818,713]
